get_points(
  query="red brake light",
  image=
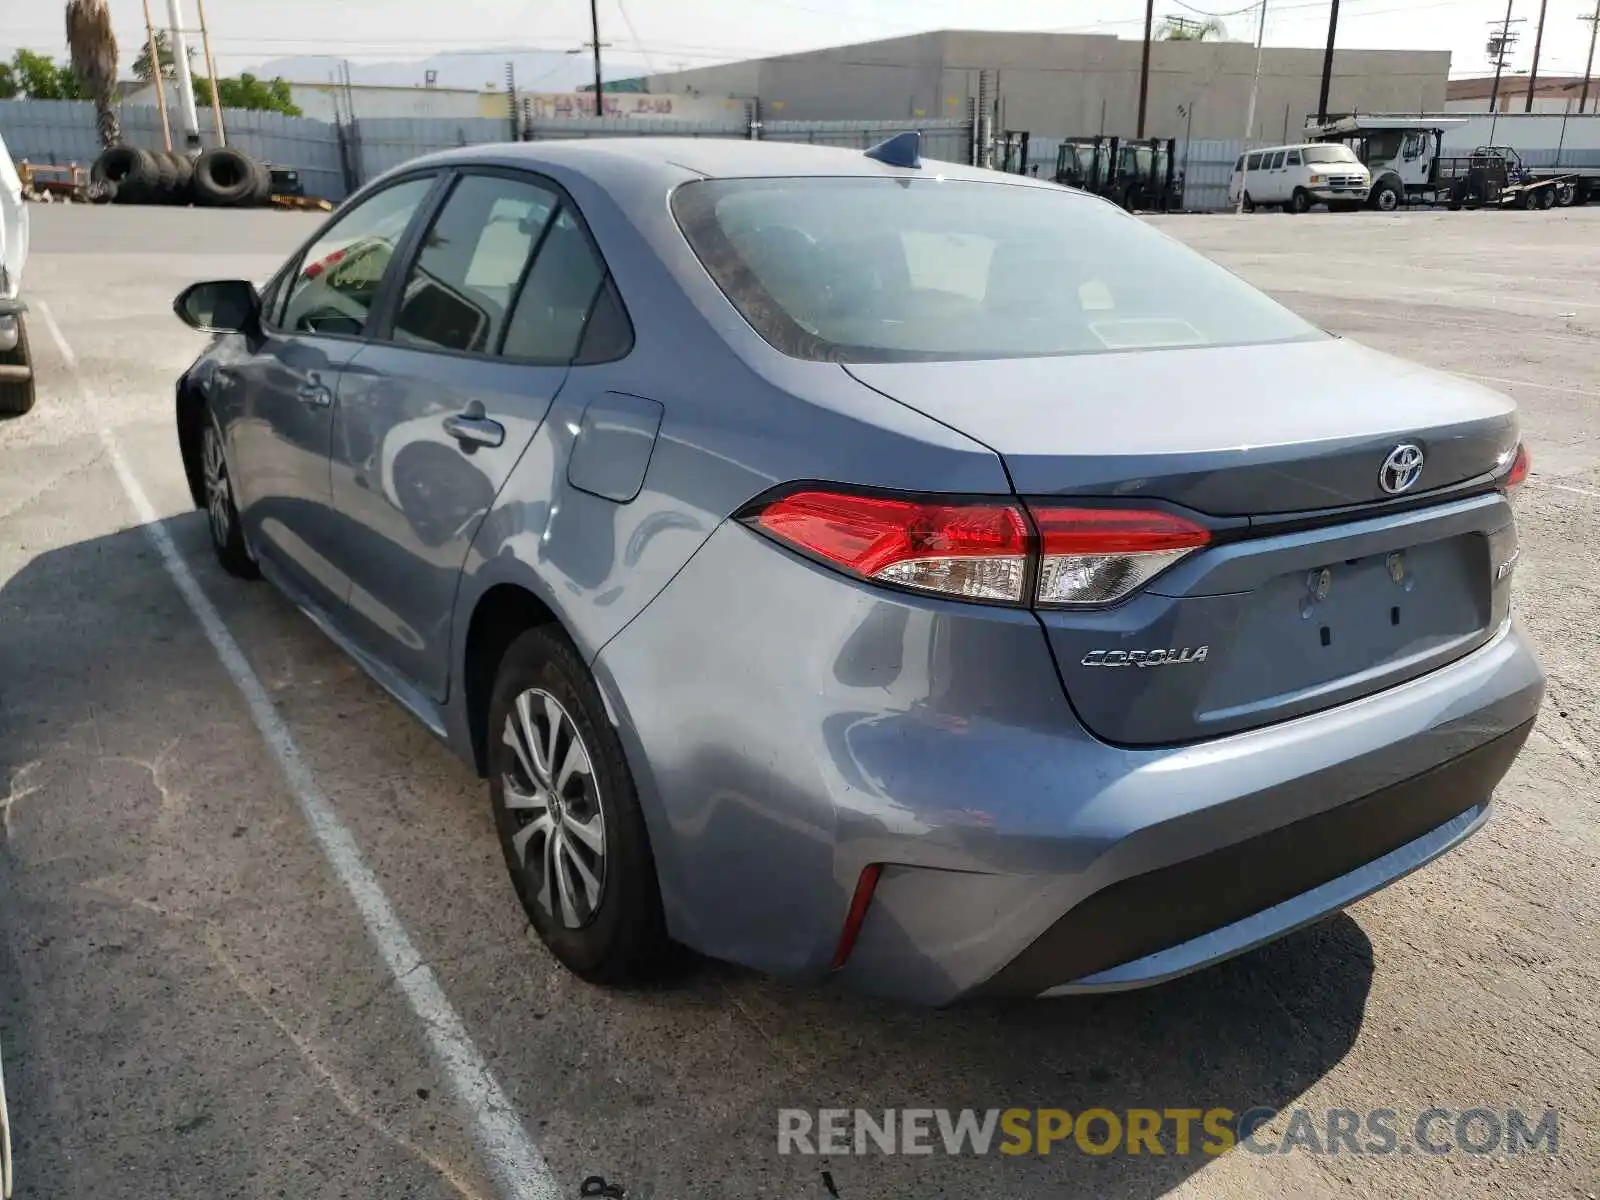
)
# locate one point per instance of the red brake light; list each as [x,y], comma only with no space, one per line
[1520,466]
[1099,555]
[976,550]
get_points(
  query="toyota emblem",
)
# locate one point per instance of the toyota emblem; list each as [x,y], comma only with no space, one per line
[1401,469]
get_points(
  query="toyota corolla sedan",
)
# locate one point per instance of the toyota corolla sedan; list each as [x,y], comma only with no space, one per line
[857,566]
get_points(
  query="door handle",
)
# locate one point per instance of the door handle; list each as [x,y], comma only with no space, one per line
[472,430]
[318,395]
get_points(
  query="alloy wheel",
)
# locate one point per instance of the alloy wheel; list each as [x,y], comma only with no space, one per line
[551,792]
[219,495]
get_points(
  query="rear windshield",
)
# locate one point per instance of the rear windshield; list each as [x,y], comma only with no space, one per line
[884,270]
[1331,154]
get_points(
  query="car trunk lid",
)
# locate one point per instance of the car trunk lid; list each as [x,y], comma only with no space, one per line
[1321,586]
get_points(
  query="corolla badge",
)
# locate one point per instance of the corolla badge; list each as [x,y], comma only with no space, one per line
[1146,658]
[1401,469]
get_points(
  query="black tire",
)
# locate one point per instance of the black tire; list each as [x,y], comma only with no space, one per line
[132,171]
[224,178]
[165,190]
[182,176]
[18,398]
[1386,197]
[622,938]
[263,192]
[1544,198]
[1249,205]
[1299,202]
[222,516]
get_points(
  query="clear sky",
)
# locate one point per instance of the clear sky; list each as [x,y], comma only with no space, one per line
[674,33]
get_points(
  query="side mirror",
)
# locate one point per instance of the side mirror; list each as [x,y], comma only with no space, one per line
[220,306]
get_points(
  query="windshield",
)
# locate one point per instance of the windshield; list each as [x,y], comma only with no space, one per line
[1330,154]
[879,270]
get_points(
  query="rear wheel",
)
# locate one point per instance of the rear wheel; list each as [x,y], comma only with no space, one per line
[568,815]
[227,535]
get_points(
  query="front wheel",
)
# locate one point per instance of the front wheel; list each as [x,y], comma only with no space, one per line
[17,390]
[1386,197]
[568,815]
[227,535]
[1300,201]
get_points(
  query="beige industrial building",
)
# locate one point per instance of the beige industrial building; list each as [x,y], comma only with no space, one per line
[1060,84]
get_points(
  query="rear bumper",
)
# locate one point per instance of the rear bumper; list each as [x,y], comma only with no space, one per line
[787,729]
[1152,927]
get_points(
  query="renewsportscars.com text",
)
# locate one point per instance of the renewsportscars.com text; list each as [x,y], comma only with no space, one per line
[839,1132]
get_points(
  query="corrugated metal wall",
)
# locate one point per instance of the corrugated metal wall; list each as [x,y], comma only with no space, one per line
[540,129]
[62,132]
[386,142]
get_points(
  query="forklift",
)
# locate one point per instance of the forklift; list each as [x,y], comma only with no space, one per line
[1137,174]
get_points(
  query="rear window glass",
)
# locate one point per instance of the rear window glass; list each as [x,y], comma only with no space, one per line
[880,270]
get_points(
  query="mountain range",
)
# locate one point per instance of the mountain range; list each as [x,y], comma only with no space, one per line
[536,70]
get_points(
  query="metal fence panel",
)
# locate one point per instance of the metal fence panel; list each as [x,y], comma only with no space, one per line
[943,139]
[62,133]
[387,142]
[548,128]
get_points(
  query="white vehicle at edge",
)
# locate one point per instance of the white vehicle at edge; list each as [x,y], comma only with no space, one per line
[1300,176]
[16,368]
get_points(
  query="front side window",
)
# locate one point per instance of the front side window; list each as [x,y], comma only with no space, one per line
[875,270]
[460,289]
[336,283]
[1292,159]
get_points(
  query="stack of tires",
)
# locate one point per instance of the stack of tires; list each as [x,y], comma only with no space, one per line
[220,178]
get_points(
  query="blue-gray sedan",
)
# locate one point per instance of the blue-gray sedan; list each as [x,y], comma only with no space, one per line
[846,563]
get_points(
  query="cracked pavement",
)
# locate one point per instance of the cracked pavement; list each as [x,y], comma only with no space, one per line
[190,1007]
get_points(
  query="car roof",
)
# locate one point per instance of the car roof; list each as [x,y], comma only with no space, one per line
[674,159]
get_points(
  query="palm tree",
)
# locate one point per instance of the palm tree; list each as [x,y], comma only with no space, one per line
[94,62]
[1187,29]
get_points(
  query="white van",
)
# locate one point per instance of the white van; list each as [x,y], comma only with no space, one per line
[1296,177]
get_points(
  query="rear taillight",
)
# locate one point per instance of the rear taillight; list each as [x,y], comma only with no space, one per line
[976,551]
[1100,555]
[982,549]
[1521,463]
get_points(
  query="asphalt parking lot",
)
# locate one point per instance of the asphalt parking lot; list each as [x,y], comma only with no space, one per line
[191,1006]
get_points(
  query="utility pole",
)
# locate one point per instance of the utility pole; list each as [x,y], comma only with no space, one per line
[1144,62]
[211,70]
[180,67]
[599,84]
[1327,65]
[1500,45]
[1538,41]
[1588,68]
[161,79]
[1255,88]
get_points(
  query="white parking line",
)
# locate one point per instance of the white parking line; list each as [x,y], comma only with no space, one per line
[518,1169]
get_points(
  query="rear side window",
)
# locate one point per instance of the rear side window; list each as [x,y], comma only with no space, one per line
[1255,162]
[550,316]
[878,270]
[337,281]
[459,290]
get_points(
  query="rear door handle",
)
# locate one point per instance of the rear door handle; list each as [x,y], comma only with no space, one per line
[472,429]
[318,395]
